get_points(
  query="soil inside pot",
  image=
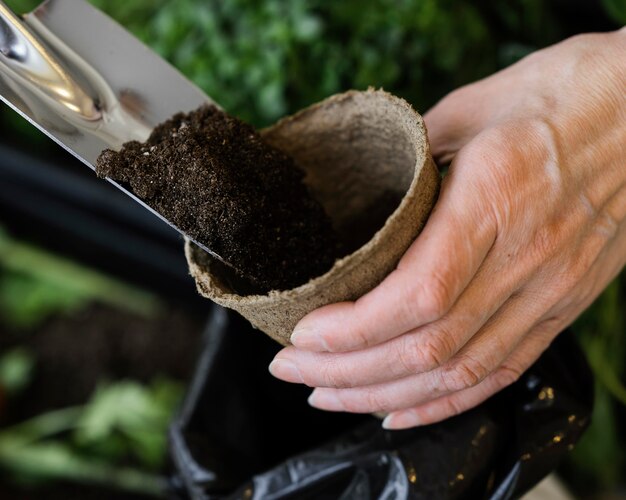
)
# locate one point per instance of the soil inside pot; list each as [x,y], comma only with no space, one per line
[215,178]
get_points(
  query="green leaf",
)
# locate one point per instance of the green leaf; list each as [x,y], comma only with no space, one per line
[139,414]
[56,460]
[40,427]
[22,6]
[598,456]
[35,284]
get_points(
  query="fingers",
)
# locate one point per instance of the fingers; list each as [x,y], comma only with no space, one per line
[600,268]
[563,289]
[473,364]
[420,350]
[427,342]
[433,345]
[524,355]
[480,369]
[426,284]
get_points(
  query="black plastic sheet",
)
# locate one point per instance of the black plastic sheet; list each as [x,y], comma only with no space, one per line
[241,434]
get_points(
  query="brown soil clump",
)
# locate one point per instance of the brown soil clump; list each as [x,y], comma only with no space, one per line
[215,178]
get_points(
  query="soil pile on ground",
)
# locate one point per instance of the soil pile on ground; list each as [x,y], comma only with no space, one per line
[215,178]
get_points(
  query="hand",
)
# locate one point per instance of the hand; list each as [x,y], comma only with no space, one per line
[528,230]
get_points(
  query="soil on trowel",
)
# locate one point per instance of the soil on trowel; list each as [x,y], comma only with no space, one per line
[215,178]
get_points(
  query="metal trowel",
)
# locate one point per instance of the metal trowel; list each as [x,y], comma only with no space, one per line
[87,83]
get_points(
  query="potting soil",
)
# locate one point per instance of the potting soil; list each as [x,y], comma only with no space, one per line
[215,178]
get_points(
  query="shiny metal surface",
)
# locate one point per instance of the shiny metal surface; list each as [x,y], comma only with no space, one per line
[86,82]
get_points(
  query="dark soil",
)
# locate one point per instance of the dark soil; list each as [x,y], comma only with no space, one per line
[215,178]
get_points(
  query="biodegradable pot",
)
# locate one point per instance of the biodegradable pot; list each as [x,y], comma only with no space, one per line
[367,160]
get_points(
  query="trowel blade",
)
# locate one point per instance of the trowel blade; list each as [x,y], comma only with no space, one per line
[95,87]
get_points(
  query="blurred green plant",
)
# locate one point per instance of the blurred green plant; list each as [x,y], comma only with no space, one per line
[600,457]
[35,285]
[126,418]
[16,369]
[616,9]
[261,60]
[123,423]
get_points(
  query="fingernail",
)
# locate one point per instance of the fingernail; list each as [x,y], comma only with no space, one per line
[325,400]
[401,420]
[308,339]
[285,370]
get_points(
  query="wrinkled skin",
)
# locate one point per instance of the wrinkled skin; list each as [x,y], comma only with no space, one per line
[529,228]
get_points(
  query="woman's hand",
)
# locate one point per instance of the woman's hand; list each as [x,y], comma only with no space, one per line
[529,229]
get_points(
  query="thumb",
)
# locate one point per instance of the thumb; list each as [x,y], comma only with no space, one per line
[455,120]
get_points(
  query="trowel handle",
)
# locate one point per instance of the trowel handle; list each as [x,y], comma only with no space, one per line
[28,63]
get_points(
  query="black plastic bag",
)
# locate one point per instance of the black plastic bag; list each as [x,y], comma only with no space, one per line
[243,434]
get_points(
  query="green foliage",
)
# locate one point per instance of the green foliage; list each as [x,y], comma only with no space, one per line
[600,457]
[16,369]
[54,460]
[35,285]
[261,60]
[616,9]
[26,301]
[124,422]
[127,417]
[22,6]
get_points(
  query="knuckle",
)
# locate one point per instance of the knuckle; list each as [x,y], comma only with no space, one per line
[432,298]
[606,224]
[549,327]
[452,406]
[376,400]
[565,281]
[436,349]
[542,336]
[410,299]
[506,375]
[329,341]
[583,260]
[544,241]
[420,353]
[465,373]
[565,285]
[543,134]
[579,265]
[355,338]
[350,404]
[333,374]
[408,354]
[361,338]
[584,49]
[496,150]
[563,269]
[308,379]
[369,400]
